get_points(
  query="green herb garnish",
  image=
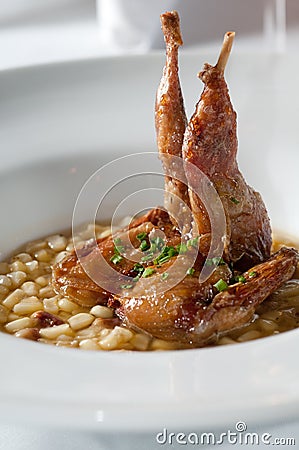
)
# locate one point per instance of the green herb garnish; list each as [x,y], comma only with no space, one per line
[157,242]
[234,200]
[148,257]
[221,285]
[138,267]
[141,236]
[252,274]
[118,248]
[217,261]
[144,246]
[193,242]
[168,252]
[182,248]
[126,286]
[115,259]
[164,275]
[148,272]
[190,271]
[240,279]
[159,261]
[171,251]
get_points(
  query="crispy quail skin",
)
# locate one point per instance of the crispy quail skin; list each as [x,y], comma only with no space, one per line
[171,122]
[210,143]
[193,313]
[174,305]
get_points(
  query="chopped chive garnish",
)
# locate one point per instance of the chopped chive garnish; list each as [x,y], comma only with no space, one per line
[153,247]
[141,236]
[252,274]
[164,275]
[240,279]
[148,272]
[138,267]
[182,248]
[157,242]
[126,286]
[119,249]
[144,246]
[159,261]
[171,251]
[190,271]
[147,257]
[193,242]
[221,285]
[234,200]
[168,252]
[217,261]
[115,259]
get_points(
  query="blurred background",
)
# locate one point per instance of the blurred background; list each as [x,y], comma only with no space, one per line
[35,31]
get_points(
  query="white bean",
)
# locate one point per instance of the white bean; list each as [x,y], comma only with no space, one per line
[17,278]
[102,311]
[28,306]
[89,344]
[54,332]
[57,242]
[19,324]
[14,298]
[30,288]
[81,320]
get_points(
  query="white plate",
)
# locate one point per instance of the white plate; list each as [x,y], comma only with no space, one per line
[58,124]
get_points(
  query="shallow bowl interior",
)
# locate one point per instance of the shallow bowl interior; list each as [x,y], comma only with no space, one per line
[58,125]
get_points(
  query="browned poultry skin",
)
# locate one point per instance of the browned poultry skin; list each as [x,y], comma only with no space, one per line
[210,143]
[70,277]
[182,309]
[171,121]
[191,313]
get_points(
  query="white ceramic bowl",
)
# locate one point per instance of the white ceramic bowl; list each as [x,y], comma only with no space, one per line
[60,123]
